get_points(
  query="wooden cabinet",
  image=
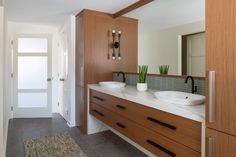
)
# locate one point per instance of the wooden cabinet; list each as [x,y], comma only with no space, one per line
[161,133]
[220,144]
[179,129]
[94,50]
[221,58]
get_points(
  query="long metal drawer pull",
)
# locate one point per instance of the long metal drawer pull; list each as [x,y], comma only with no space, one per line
[161,123]
[211,96]
[211,147]
[98,98]
[121,107]
[161,148]
[121,125]
[99,113]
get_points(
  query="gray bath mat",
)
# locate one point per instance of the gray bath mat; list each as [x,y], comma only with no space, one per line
[59,145]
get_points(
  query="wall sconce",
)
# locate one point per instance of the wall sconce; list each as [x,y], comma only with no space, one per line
[116,44]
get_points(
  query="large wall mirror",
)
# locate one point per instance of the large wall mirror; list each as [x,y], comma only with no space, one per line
[172,36]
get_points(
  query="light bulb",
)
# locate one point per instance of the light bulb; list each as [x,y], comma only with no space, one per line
[113,56]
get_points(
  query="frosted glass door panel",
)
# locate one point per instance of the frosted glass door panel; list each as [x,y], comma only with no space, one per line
[32,76]
[32,100]
[32,72]
[32,45]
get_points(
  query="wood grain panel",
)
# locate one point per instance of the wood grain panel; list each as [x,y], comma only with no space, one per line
[179,129]
[114,104]
[80,108]
[132,7]
[224,145]
[129,44]
[94,48]
[182,130]
[144,137]
[79,50]
[120,124]
[221,57]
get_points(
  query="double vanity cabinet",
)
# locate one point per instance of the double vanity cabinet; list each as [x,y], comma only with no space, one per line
[162,133]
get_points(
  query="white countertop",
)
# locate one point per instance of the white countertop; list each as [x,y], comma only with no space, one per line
[196,113]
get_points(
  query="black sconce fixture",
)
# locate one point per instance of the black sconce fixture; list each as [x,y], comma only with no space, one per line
[116,45]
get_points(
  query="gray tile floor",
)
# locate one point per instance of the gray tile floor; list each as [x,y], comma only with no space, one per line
[105,144]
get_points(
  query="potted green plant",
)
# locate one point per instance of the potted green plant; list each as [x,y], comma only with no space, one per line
[164,69]
[142,84]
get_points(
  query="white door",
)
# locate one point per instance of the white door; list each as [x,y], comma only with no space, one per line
[63,76]
[196,55]
[32,76]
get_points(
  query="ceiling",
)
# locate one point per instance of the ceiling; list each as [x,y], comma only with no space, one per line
[156,15]
[54,11]
[162,14]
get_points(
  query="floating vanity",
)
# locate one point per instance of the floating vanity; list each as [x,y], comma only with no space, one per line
[162,128]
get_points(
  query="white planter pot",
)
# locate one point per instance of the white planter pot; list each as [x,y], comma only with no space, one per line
[142,87]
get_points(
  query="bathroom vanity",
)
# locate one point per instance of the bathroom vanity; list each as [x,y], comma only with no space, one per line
[163,129]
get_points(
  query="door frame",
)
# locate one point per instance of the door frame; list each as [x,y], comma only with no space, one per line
[44,112]
[180,49]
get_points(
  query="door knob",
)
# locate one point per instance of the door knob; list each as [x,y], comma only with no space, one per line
[62,79]
[49,79]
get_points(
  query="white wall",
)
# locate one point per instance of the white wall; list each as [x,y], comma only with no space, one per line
[161,47]
[69,29]
[24,28]
[1,83]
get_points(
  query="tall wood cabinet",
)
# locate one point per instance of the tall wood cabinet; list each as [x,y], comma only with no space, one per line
[221,80]
[94,53]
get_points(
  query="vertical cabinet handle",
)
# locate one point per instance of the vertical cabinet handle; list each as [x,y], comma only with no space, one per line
[211,96]
[161,148]
[211,147]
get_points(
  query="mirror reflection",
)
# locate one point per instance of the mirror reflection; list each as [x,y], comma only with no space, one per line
[171,38]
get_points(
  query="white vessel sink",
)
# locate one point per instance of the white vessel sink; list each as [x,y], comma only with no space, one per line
[112,84]
[180,98]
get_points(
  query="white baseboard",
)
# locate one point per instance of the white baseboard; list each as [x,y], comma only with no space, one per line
[71,124]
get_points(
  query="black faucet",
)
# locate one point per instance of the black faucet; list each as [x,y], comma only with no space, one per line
[123,75]
[194,88]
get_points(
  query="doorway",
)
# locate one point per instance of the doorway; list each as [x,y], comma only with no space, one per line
[193,54]
[32,73]
[64,83]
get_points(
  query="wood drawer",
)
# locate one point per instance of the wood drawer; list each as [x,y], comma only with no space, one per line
[121,106]
[118,123]
[152,141]
[182,130]
[162,146]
